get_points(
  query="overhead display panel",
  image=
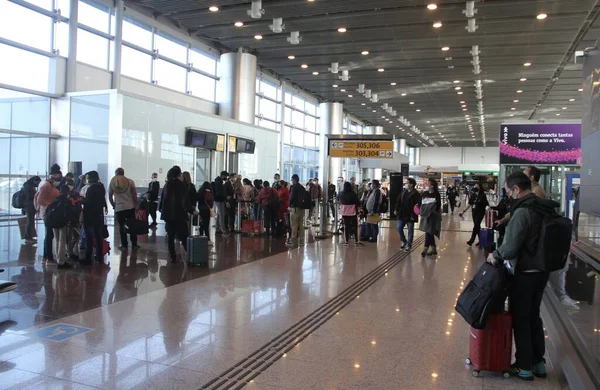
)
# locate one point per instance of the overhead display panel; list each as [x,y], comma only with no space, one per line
[540,143]
[349,148]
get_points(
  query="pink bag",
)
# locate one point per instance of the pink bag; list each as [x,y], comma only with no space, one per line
[417,210]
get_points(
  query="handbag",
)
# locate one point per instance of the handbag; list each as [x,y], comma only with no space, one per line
[417,209]
[213,213]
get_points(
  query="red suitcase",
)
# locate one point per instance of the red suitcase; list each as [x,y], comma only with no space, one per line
[490,349]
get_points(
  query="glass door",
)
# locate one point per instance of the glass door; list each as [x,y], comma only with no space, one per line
[203,168]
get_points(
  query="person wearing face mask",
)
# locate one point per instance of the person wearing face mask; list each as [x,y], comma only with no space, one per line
[527,282]
[478,202]
[47,194]
[152,196]
[230,203]
[30,189]
[405,211]
[431,217]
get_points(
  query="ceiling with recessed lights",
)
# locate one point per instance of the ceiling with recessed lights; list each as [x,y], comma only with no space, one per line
[403,51]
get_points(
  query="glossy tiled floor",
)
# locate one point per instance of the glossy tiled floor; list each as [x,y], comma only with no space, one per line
[399,334]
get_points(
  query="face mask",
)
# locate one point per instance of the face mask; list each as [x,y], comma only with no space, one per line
[406,187]
[153,179]
[56,183]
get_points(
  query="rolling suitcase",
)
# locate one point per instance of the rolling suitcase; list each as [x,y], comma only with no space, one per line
[197,247]
[491,216]
[490,349]
[486,238]
[580,281]
[364,230]
[445,208]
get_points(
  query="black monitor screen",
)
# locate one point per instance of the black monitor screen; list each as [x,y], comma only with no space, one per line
[211,141]
[250,147]
[241,146]
[198,140]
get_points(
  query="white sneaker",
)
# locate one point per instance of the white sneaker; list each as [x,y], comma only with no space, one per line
[569,303]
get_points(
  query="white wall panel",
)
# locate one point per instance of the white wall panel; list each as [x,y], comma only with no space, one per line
[451,157]
[489,155]
[90,78]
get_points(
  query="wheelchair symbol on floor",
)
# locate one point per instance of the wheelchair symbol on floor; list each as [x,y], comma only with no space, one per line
[60,332]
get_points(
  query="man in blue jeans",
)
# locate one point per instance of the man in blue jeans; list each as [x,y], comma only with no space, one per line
[406,214]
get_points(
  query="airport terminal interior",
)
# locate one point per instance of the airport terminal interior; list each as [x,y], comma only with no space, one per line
[227,137]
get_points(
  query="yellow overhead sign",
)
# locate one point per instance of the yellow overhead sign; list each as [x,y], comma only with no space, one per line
[361,149]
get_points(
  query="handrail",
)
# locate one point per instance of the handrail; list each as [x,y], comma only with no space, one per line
[587,254]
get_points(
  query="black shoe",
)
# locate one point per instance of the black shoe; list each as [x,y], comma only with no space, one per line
[372,240]
[134,247]
[470,243]
[64,266]
[424,253]
[74,257]
[123,248]
[403,245]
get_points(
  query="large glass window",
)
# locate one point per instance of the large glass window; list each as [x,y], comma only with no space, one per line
[93,15]
[23,68]
[203,62]
[168,47]
[202,86]
[169,75]
[92,49]
[24,26]
[136,64]
[268,104]
[134,33]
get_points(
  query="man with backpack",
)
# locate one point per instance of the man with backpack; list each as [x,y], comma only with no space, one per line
[57,218]
[300,201]
[537,242]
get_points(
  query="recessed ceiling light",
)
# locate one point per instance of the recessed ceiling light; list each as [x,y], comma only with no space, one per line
[291,57]
[304,66]
[519,91]
[542,16]
[213,8]
[392,83]
[411,103]
[350,95]
[580,89]
[459,92]
[315,73]
[516,101]
[428,121]
[557,114]
[335,85]
[462,102]
[418,110]
[445,48]
[259,37]
[437,25]
[432,6]
[512,115]
[456,81]
[342,29]
[464,106]
[522,79]
[402,94]
[363,104]
[383,117]
[571,100]
[527,64]
[381,70]
[457,88]
[365,53]
[464,109]
[374,110]
[512,108]
[238,24]
[564,108]
[342,90]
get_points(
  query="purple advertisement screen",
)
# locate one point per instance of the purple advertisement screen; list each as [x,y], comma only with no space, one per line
[540,143]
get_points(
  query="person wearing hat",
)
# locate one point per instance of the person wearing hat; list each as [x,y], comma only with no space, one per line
[47,194]
[122,195]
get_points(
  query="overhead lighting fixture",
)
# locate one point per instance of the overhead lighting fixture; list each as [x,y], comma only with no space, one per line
[457,88]
[418,110]
[213,8]
[516,101]
[335,85]
[402,94]
[564,108]
[365,53]
[381,70]
[291,57]
[522,79]
[315,73]
[456,81]
[519,91]
[542,16]
[437,25]
[374,110]
[512,108]
[350,96]
[411,103]
[445,48]
[342,29]
[342,90]
[462,102]
[571,100]
[304,66]
[238,24]
[432,6]
[464,106]
[459,92]
[363,104]
[259,37]
[580,89]
[464,109]
[512,115]
[557,114]
[527,64]
[392,83]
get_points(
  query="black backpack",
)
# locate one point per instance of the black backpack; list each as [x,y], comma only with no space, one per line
[304,201]
[18,199]
[384,204]
[554,243]
[274,202]
[485,294]
[57,213]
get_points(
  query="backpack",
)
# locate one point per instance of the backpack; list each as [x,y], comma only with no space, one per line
[57,213]
[483,295]
[304,201]
[554,243]
[18,199]
[274,201]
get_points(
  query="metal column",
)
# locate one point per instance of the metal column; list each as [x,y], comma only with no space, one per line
[237,86]
[117,49]
[331,119]
[417,156]
[71,76]
[376,173]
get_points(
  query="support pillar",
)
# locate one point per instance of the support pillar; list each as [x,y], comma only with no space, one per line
[376,173]
[331,118]
[417,156]
[237,86]
[117,48]
[402,146]
[72,54]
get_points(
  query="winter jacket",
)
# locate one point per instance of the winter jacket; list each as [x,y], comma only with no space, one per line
[153,191]
[44,197]
[175,204]
[374,201]
[265,194]
[219,190]
[295,191]
[406,204]
[29,190]
[431,216]
[94,203]
[522,232]
[316,192]
[478,202]
[284,200]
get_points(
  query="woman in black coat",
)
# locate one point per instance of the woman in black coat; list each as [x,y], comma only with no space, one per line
[29,190]
[478,202]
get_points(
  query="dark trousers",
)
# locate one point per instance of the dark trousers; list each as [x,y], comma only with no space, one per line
[230,216]
[411,231]
[48,249]
[270,219]
[350,225]
[477,219]
[452,203]
[93,233]
[526,293]
[152,207]
[30,224]
[205,222]
[429,239]
[122,217]
[179,230]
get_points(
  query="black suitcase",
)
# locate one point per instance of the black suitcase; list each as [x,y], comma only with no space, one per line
[445,208]
[580,282]
[485,294]
[197,250]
